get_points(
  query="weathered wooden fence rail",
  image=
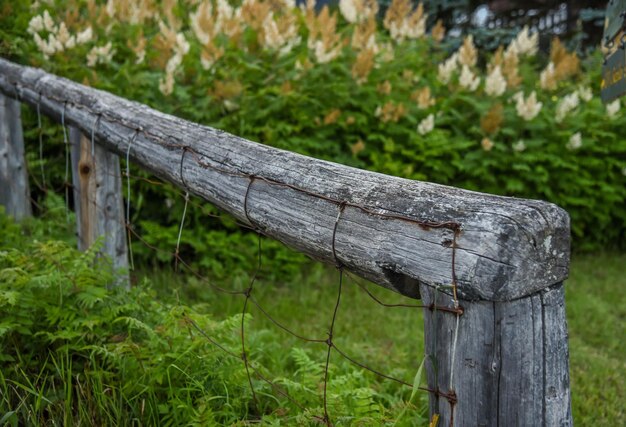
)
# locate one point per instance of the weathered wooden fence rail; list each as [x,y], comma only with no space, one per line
[502,361]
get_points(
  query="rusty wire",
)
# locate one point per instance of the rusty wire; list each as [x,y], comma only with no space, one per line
[247,292]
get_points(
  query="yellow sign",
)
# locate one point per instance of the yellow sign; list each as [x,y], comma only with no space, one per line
[613,84]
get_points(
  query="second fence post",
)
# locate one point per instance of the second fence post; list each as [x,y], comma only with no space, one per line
[98,200]
[14,190]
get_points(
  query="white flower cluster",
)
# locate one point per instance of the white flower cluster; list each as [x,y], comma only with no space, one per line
[59,38]
[283,41]
[547,76]
[487,144]
[324,54]
[466,57]
[42,22]
[204,11]
[527,108]
[525,44]
[449,66]
[206,25]
[110,8]
[100,55]
[612,109]
[372,45]
[209,20]
[566,105]
[575,142]
[355,11]
[407,30]
[426,125]
[468,79]
[585,93]
[495,83]
[181,48]
[519,146]
[225,12]
[411,26]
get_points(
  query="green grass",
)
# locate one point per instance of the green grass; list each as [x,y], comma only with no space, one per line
[385,338]
[596,308]
[389,338]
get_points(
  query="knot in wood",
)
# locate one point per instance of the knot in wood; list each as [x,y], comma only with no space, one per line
[85,169]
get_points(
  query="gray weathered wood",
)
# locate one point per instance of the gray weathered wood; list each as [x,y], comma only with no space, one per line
[503,241]
[557,399]
[98,201]
[14,190]
[75,149]
[511,362]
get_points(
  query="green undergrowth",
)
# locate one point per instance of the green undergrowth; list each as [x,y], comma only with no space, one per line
[75,352]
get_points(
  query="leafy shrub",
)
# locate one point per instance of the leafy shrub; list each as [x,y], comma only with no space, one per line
[75,350]
[388,95]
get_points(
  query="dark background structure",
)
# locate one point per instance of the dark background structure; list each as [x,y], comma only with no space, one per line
[578,22]
[492,23]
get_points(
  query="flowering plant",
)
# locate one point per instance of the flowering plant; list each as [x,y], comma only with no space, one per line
[386,94]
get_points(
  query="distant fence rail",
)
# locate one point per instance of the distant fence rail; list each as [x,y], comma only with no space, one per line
[490,268]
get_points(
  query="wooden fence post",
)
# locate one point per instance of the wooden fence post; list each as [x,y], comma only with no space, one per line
[14,190]
[509,364]
[98,200]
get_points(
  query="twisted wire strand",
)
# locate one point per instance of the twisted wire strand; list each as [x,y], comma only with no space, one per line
[167,141]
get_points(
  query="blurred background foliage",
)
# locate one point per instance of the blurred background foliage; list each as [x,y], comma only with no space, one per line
[501,97]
